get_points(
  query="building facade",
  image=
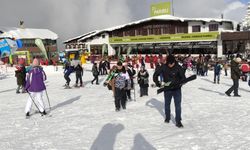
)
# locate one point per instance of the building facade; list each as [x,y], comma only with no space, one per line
[160,34]
[29,48]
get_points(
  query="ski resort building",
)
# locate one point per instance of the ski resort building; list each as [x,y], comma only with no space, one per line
[159,34]
[28,37]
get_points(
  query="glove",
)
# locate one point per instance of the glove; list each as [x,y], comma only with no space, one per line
[158,84]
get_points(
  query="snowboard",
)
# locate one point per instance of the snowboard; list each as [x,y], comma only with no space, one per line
[168,86]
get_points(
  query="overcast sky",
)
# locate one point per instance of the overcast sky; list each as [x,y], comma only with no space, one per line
[70,18]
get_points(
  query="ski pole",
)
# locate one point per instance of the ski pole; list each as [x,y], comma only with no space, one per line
[134,93]
[48,99]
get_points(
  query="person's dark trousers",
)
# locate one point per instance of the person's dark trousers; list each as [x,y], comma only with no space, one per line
[79,77]
[244,76]
[95,78]
[128,94]
[225,72]
[101,71]
[66,77]
[217,76]
[105,71]
[124,99]
[176,94]
[120,98]
[144,91]
[234,87]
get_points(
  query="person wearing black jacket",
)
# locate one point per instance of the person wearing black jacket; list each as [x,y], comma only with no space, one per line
[79,74]
[235,75]
[143,81]
[95,73]
[172,72]
[131,72]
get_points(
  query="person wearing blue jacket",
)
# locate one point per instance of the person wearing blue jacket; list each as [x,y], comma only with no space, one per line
[67,71]
[217,70]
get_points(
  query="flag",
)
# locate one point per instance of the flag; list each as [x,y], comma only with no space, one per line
[39,44]
[13,45]
[4,48]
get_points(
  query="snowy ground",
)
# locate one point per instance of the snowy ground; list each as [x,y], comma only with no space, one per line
[85,118]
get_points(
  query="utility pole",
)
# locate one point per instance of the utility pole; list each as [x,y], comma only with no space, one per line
[172,7]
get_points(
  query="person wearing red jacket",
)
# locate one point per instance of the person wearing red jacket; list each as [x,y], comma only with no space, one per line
[245,70]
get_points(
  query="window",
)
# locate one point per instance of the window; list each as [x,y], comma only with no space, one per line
[196,28]
[103,36]
[213,27]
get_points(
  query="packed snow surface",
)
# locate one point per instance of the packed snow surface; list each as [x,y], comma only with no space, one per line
[85,118]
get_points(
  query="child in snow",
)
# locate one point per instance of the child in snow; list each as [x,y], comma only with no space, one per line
[217,70]
[20,74]
[95,73]
[35,87]
[67,71]
[79,74]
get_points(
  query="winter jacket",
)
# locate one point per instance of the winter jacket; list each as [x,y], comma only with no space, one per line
[142,78]
[173,75]
[120,81]
[95,71]
[21,76]
[79,70]
[68,70]
[245,68]
[217,69]
[35,80]
[235,70]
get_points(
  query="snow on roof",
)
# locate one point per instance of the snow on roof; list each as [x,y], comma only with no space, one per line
[80,36]
[27,33]
[162,17]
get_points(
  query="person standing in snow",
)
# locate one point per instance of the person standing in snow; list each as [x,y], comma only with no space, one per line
[235,75]
[120,84]
[79,74]
[35,87]
[174,73]
[143,81]
[131,72]
[67,71]
[217,70]
[20,74]
[95,73]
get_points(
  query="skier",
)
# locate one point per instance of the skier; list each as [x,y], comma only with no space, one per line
[67,71]
[217,70]
[20,74]
[120,84]
[235,75]
[172,72]
[142,78]
[95,73]
[79,74]
[35,87]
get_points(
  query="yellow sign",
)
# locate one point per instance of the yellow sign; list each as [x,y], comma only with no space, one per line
[208,36]
[71,56]
[158,9]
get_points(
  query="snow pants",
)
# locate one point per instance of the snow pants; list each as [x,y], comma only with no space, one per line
[176,94]
[234,88]
[38,98]
[120,98]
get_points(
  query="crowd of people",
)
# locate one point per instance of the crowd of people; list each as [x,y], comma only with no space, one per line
[120,77]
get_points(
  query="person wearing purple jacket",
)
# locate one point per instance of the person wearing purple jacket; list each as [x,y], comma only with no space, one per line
[35,86]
